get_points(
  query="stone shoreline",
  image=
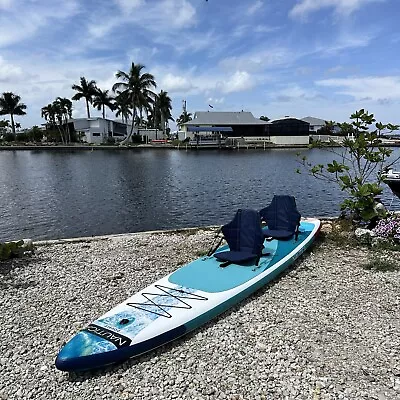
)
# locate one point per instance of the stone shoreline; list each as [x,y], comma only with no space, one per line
[326,329]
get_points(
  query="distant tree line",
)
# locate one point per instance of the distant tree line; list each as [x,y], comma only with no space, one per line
[132,97]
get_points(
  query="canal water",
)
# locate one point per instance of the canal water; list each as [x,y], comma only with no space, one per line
[60,194]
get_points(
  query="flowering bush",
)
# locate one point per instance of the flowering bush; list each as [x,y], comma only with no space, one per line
[388,228]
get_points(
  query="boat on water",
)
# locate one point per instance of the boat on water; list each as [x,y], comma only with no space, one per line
[392,179]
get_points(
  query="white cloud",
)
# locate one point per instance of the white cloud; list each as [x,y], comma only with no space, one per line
[98,31]
[344,41]
[41,81]
[174,83]
[179,13]
[238,82]
[159,16]
[294,92]
[377,88]
[193,41]
[161,21]
[5,4]
[256,6]
[8,71]
[342,7]
[194,81]
[216,100]
[127,6]
[31,18]
[259,59]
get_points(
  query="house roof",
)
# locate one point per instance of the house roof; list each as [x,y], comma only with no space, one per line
[224,118]
[314,121]
[287,119]
[210,129]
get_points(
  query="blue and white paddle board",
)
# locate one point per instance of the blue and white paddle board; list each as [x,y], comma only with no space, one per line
[177,304]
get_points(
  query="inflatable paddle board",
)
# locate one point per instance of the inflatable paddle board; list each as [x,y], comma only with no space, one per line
[177,304]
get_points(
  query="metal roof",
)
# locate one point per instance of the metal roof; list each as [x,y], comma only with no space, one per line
[288,119]
[209,129]
[224,118]
[314,121]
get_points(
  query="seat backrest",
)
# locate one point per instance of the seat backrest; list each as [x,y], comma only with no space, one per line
[282,213]
[244,232]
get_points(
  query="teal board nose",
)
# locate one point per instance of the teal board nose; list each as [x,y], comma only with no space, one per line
[83,345]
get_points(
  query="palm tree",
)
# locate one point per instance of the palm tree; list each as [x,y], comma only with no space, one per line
[136,86]
[102,100]
[184,117]
[10,104]
[57,114]
[64,108]
[51,113]
[86,90]
[165,108]
[122,106]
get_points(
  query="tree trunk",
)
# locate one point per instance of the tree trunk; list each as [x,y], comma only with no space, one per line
[133,121]
[104,112]
[67,129]
[87,108]
[12,123]
[61,133]
[163,123]
[133,117]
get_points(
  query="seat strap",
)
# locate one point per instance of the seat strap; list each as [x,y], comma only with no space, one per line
[214,248]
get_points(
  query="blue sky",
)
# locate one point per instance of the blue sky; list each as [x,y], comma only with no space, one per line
[322,58]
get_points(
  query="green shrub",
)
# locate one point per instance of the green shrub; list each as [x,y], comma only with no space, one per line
[14,249]
[357,171]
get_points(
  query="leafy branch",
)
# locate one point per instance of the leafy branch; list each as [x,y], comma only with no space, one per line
[362,157]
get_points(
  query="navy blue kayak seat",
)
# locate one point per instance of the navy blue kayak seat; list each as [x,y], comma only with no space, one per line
[282,218]
[244,237]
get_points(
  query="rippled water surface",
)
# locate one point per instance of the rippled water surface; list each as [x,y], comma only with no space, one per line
[57,194]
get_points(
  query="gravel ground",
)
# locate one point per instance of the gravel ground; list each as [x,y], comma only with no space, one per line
[327,329]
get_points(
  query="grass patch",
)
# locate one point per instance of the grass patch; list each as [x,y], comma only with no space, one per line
[387,245]
[381,264]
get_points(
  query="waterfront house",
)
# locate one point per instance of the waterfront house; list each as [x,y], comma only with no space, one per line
[289,131]
[242,123]
[315,123]
[215,127]
[99,130]
[242,127]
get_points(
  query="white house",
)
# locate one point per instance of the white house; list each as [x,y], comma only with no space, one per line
[98,130]
[315,123]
